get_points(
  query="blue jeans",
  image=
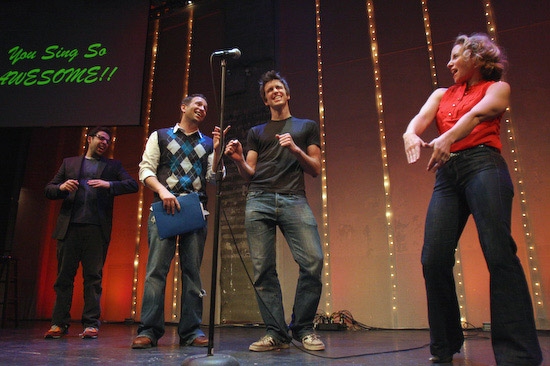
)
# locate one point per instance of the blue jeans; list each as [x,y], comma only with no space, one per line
[476,181]
[264,212]
[161,253]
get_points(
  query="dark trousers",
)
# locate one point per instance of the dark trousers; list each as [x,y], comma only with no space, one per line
[82,244]
[477,182]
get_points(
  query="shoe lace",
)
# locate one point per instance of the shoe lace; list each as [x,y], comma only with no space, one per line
[268,340]
[311,338]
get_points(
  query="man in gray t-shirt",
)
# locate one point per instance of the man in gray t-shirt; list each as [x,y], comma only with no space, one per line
[280,151]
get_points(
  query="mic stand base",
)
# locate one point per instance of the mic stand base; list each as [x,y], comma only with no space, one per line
[210,360]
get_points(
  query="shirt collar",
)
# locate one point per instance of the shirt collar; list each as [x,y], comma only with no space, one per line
[178,128]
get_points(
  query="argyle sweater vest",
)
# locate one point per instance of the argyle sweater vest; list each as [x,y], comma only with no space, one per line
[184,161]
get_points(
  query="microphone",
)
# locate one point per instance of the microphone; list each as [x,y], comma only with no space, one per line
[235,53]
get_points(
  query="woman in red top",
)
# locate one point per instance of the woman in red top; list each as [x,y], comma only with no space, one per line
[472,178]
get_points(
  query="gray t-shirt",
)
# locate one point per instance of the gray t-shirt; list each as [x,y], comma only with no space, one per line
[277,169]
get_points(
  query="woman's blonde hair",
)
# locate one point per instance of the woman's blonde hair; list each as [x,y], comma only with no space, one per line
[491,58]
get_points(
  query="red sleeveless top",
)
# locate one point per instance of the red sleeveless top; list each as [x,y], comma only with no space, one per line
[455,103]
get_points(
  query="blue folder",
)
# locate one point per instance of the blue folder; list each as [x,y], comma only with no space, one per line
[189,218]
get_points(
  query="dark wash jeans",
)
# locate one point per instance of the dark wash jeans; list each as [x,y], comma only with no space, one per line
[476,181]
[264,212]
[161,253]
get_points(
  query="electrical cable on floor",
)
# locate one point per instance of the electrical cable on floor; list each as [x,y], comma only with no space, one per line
[316,354]
[472,332]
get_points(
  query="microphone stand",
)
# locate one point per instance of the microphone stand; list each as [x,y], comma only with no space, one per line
[210,358]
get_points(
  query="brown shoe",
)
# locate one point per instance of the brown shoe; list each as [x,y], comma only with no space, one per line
[142,343]
[200,341]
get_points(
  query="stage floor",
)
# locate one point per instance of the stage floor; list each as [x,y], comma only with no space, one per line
[25,345]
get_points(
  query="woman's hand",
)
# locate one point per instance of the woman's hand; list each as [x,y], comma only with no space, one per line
[441,152]
[413,144]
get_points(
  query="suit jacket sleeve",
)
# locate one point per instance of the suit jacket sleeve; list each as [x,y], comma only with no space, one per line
[123,183]
[67,170]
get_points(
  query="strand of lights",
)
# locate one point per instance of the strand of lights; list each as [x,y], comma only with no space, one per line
[154,50]
[113,142]
[429,43]
[532,257]
[325,230]
[176,289]
[384,155]
[83,138]
[460,290]
[188,50]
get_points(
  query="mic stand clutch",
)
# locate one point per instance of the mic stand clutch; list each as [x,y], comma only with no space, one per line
[210,358]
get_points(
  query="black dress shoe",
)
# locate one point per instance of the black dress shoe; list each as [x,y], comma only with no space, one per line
[440,359]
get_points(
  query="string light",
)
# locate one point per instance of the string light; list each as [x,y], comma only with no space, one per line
[383,150]
[176,289]
[324,195]
[429,43]
[532,257]
[188,51]
[83,137]
[154,49]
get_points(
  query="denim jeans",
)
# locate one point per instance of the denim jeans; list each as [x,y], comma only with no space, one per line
[264,212]
[161,253]
[476,181]
[82,244]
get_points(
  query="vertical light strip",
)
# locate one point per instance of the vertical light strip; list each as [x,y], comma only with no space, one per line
[460,290]
[113,142]
[532,258]
[176,289]
[325,230]
[147,117]
[83,136]
[188,50]
[385,169]
[429,43]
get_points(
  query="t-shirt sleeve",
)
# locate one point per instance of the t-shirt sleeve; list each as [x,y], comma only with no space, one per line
[251,140]
[314,137]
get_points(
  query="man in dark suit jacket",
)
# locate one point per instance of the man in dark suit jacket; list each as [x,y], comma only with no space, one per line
[87,185]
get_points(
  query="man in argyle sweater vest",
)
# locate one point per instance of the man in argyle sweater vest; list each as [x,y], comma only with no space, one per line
[176,161]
